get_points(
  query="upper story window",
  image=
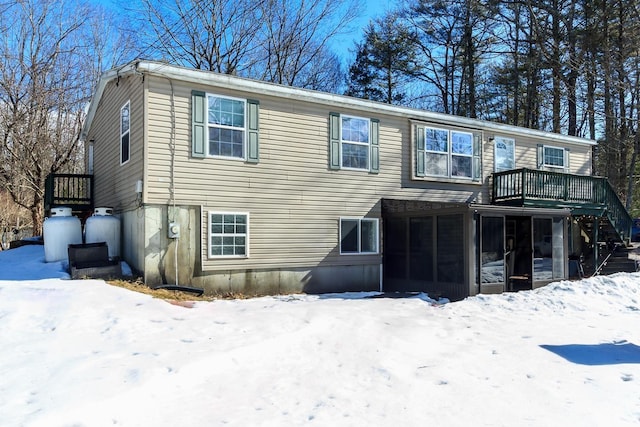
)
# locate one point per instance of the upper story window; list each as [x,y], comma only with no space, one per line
[553,158]
[504,154]
[125,128]
[226,125]
[358,236]
[353,143]
[447,153]
[223,126]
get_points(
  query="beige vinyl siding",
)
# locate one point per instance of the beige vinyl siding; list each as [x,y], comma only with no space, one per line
[526,154]
[115,183]
[293,200]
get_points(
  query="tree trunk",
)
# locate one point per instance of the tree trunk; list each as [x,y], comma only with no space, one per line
[470,62]
[556,72]
[37,214]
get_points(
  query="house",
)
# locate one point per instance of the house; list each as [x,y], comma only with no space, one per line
[236,185]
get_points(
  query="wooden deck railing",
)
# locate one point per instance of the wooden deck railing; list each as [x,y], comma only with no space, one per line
[71,190]
[554,189]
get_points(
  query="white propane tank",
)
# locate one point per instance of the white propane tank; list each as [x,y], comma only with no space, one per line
[102,226]
[59,231]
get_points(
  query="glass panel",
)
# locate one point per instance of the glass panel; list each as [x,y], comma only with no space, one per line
[226,112]
[553,156]
[421,247]
[462,143]
[557,243]
[504,154]
[369,236]
[542,249]
[124,148]
[355,129]
[355,156]
[461,166]
[437,140]
[349,236]
[226,142]
[492,258]
[450,250]
[437,164]
[216,223]
[124,116]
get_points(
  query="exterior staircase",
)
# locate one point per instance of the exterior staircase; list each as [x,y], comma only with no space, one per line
[588,197]
[618,261]
[594,205]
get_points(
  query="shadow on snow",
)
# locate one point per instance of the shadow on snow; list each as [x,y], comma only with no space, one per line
[614,353]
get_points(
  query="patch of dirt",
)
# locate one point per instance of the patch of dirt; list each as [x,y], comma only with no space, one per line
[165,294]
[184,299]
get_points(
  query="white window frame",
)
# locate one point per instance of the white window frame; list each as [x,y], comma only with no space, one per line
[359,221]
[359,143]
[463,155]
[449,153]
[544,157]
[508,153]
[446,153]
[125,132]
[211,125]
[211,235]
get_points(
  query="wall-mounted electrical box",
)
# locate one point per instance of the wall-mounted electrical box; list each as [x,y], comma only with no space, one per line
[174,230]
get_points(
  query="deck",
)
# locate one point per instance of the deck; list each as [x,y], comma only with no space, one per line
[584,195]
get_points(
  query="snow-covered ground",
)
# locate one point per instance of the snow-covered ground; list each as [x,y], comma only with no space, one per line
[84,353]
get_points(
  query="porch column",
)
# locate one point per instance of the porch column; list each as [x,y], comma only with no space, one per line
[596,247]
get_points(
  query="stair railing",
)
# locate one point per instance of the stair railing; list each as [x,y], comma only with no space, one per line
[519,186]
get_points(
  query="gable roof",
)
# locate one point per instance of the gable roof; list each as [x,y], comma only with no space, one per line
[336,101]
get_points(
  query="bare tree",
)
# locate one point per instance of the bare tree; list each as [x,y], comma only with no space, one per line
[15,221]
[44,85]
[454,39]
[295,39]
[209,35]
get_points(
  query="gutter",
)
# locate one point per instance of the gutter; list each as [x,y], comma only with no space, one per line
[227,81]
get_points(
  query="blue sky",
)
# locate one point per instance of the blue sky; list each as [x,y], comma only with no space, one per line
[372,9]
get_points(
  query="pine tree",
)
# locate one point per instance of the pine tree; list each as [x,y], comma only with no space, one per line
[384,62]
